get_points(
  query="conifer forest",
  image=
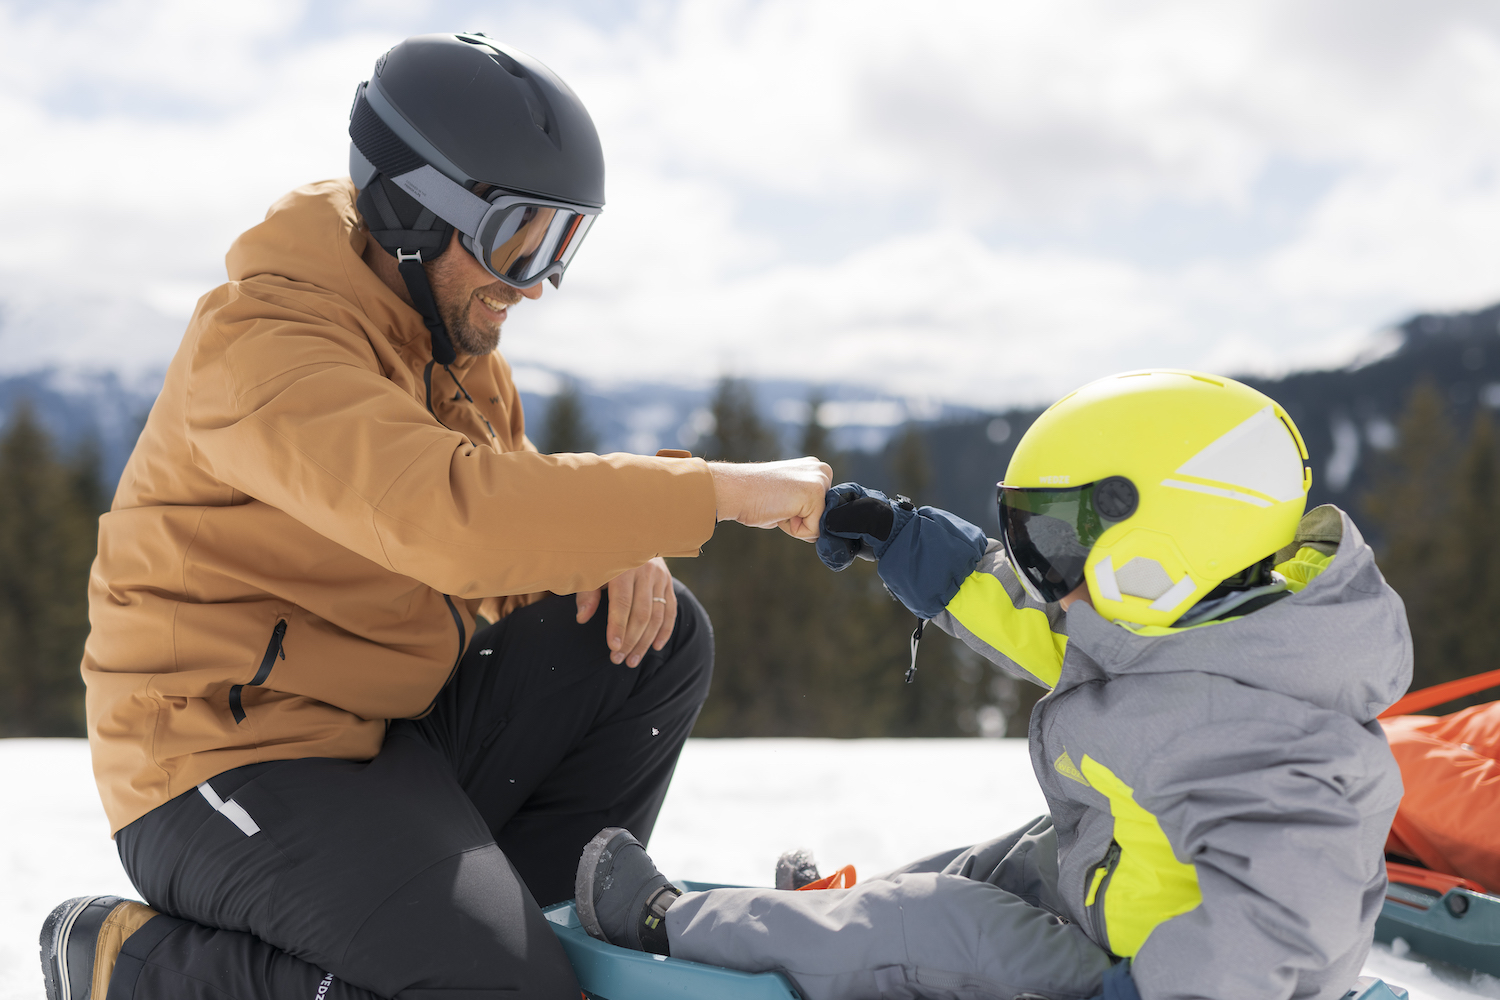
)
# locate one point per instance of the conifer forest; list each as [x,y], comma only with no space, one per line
[802,651]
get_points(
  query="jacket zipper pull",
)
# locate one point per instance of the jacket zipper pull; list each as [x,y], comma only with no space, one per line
[916,638]
[487,425]
[273,649]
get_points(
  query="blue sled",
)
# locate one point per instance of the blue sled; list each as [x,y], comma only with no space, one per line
[609,973]
[1459,926]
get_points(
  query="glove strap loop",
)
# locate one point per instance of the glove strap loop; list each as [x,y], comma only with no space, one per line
[916,638]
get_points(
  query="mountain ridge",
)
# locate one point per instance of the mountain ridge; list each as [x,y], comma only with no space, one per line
[1346,415]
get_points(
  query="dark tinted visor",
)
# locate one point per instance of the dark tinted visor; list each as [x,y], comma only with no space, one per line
[1047,536]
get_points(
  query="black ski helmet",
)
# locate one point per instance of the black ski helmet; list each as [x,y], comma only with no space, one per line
[468,112]
[483,112]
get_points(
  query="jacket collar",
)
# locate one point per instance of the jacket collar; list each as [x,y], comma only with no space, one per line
[1342,642]
[315,236]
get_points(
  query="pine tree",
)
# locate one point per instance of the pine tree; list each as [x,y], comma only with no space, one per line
[566,427]
[1472,547]
[1433,506]
[739,434]
[816,441]
[801,651]
[48,536]
[910,473]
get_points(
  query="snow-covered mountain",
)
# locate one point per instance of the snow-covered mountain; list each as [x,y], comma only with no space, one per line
[1347,414]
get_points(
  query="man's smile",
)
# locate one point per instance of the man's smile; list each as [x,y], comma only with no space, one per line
[494,305]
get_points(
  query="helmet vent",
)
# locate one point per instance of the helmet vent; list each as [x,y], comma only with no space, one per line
[1116,498]
[1142,577]
[508,64]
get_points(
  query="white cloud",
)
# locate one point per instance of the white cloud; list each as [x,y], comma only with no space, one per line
[986,201]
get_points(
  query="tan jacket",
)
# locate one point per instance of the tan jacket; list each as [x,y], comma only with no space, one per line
[307,464]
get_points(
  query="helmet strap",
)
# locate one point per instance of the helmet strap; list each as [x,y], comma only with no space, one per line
[424,239]
[399,222]
[415,276]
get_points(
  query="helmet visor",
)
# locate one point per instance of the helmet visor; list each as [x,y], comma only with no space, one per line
[1047,536]
[521,242]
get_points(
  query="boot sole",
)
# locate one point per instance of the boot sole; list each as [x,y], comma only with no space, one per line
[55,933]
[583,882]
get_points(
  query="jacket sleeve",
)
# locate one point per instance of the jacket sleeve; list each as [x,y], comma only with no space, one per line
[1284,825]
[992,615]
[293,409]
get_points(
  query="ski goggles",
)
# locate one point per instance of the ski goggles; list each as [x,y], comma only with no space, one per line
[518,238]
[1048,533]
[523,240]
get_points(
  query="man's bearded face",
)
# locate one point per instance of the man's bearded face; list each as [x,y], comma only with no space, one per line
[472,303]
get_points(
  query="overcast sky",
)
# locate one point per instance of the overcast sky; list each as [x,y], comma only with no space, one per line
[987,202]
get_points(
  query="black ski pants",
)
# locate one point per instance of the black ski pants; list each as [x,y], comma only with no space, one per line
[418,874]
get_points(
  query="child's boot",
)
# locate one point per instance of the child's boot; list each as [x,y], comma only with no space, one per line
[621,897]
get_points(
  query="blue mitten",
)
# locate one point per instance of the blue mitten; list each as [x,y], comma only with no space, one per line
[855,521]
[1118,984]
[924,554]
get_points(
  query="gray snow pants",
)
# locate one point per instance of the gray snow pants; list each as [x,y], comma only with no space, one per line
[974,923]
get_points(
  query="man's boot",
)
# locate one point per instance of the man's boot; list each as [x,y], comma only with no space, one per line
[621,897]
[81,940]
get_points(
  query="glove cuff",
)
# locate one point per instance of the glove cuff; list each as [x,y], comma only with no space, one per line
[928,557]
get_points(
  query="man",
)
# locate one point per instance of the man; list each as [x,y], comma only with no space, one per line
[346,740]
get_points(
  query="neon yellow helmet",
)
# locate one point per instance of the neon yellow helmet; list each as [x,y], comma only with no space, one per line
[1154,487]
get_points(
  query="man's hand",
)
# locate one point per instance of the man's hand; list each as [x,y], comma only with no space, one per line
[786,494]
[642,611]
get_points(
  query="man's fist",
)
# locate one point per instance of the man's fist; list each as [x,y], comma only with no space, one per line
[788,494]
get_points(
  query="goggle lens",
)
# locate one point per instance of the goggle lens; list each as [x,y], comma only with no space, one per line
[1047,536]
[522,244]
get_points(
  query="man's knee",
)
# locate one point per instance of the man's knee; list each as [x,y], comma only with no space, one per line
[466,923]
[691,648]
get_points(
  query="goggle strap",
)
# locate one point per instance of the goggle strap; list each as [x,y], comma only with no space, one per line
[453,203]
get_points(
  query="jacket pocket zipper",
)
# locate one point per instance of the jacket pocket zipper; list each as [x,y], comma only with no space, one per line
[273,650]
[463,645]
[1098,886]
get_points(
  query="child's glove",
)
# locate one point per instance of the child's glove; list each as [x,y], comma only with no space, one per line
[856,522]
[1118,985]
[924,554]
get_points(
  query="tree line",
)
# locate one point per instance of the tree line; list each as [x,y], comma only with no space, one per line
[49,510]
[801,651]
[1434,515]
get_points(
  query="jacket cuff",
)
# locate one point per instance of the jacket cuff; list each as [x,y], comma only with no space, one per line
[928,557]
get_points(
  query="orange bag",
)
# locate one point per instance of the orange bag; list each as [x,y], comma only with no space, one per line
[1449,818]
[841,879]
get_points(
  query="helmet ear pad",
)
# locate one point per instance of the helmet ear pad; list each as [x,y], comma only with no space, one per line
[397,221]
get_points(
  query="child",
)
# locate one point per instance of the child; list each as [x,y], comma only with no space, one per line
[1219,789]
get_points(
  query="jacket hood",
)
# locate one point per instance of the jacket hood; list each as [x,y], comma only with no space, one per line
[1341,643]
[314,236]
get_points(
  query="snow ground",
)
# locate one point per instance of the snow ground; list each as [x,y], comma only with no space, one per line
[734,807]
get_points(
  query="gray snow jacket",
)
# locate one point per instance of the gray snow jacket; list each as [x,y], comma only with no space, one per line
[1221,792]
